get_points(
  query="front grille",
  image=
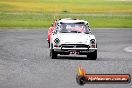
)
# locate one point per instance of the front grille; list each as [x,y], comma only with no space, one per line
[74,46]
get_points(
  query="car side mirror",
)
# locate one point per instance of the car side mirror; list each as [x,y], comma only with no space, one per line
[89,30]
[54,32]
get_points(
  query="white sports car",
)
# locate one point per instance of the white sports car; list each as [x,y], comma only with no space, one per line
[73,36]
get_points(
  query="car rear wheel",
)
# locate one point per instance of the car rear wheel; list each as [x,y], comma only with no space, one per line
[49,44]
[53,54]
[93,55]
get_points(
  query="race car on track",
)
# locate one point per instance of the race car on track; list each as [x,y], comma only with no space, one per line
[73,37]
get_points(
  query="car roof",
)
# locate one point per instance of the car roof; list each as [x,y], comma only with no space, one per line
[72,21]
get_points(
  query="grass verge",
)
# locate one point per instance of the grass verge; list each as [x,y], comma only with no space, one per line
[30,20]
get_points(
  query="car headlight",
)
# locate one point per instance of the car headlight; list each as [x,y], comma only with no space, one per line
[57,41]
[92,41]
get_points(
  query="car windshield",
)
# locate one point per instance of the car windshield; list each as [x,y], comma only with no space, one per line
[73,28]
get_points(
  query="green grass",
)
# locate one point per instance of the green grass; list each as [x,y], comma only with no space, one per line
[71,6]
[24,20]
[29,20]
[40,13]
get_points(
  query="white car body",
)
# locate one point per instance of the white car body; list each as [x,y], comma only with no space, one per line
[73,43]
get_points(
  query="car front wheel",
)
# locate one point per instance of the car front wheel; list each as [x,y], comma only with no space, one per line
[53,54]
[92,55]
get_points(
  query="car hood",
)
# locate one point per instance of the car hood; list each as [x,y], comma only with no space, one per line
[75,38]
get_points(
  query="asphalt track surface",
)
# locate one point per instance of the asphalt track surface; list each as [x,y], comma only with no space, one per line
[25,60]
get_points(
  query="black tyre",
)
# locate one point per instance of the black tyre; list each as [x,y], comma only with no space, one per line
[88,56]
[49,44]
[53,54]
[92,56]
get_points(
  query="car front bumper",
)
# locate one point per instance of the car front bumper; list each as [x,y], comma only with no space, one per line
[81,51]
